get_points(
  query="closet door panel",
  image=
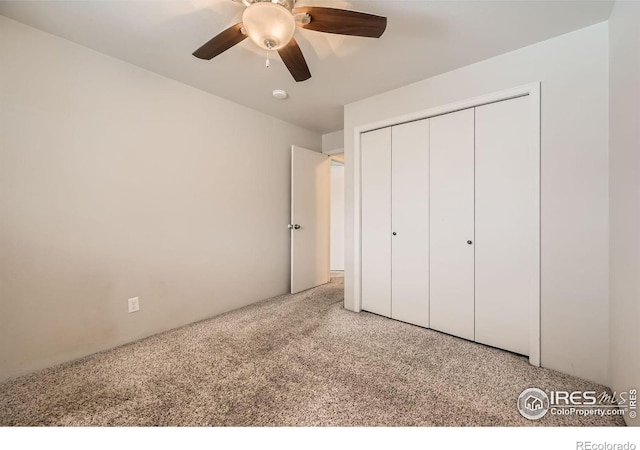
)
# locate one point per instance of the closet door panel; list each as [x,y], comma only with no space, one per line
[451,223]
[507,242]
[376,221]
[410,222]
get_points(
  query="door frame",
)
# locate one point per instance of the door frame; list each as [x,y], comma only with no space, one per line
[533,91]
[338,159]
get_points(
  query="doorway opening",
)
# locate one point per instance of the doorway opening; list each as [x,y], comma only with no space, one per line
[311,218]
[337,215]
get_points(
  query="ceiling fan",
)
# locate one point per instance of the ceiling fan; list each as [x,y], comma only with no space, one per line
[271,24]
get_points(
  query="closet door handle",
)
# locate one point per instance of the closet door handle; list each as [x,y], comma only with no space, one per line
[469,242]
[394,233]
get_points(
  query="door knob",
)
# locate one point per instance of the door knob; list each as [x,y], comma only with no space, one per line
[293,227]
[469,242]
[394,233]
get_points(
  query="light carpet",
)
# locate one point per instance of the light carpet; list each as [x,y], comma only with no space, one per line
[295,360]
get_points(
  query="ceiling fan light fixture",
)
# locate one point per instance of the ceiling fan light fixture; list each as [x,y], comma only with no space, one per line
[270,25]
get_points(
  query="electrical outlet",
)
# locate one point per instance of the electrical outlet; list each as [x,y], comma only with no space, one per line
[134,304]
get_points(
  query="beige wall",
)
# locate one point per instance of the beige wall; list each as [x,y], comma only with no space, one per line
[624,147]
[116,182]
[333,141]
[573,70]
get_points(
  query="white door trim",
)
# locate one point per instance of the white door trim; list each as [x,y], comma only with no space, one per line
[335,151]
[533,91]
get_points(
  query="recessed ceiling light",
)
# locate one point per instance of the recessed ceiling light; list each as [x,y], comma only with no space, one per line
[280,94]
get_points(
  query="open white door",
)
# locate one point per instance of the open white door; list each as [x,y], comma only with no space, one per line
[310,219]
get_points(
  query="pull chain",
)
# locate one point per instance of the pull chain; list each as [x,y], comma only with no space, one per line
[269,43]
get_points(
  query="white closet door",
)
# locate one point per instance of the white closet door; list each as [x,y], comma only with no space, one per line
[507,242]
[376,221]
[451,223]
[410,223]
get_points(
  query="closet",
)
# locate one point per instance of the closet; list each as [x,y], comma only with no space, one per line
[395,209]
[449,223]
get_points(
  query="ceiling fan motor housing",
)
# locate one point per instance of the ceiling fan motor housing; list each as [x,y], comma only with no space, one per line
[288,4]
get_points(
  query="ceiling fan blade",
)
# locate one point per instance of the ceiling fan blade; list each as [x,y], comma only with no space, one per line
[221,42]
[342,21]
[294,60]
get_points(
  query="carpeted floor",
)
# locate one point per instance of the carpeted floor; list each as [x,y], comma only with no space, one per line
[293,360]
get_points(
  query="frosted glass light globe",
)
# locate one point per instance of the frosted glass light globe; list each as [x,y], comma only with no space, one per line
[269,25]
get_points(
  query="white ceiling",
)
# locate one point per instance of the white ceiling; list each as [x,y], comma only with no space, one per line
[423,39]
